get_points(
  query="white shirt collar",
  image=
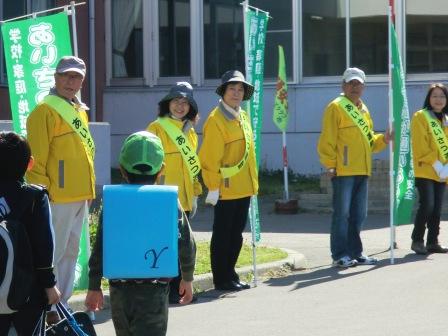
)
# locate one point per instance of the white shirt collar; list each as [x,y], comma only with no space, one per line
[235,113]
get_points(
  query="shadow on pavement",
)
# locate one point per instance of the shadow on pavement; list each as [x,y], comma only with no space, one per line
[209,296]
[326,273]
[318,276]
[305,222]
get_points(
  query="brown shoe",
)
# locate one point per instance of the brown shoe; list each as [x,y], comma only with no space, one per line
[52,317]
[419,248]
[436,248]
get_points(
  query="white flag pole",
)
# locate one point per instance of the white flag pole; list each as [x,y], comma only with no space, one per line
[75,52]
[254,245]
[252,214]
[391,143]
[74,35]
[285,166]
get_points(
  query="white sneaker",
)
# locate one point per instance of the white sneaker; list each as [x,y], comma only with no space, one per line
[364,260]
[345,262]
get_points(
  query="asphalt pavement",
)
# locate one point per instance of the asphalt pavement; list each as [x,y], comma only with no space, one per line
[404,298]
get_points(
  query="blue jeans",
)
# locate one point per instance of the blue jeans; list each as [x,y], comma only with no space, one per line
[349,213]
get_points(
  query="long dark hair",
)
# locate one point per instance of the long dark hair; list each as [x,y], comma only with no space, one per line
[427,104]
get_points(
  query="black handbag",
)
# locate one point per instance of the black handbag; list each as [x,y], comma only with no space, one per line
[76,324]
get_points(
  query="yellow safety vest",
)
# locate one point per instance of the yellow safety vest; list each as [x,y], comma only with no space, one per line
[183,145]
[357,118]
[70,115]
[438,134]
[227,172]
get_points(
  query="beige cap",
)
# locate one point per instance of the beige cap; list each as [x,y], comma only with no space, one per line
[71,63]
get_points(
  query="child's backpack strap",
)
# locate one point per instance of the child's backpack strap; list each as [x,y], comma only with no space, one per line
[35,191]
[27,196]
[16,258]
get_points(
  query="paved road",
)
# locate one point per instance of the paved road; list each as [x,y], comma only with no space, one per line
[407,298]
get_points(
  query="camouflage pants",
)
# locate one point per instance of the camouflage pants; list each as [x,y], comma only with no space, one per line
[139,309]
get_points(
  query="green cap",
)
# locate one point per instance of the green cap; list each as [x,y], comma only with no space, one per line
[142,154]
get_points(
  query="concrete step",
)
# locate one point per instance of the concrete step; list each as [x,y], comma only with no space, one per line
[322,203]
[378,201]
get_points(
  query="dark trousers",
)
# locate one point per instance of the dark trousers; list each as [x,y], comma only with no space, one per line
[229,221]
[428,214]
[26,319]
[175,282]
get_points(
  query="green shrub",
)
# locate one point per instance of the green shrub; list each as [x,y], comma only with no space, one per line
[271,182]
[264,254]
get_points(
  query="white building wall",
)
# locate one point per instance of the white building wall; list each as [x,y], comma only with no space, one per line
[101,136]
[131,109]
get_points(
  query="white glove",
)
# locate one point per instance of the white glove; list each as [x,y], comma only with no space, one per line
[438,166]
[444,172]
[212,197]
[194,207]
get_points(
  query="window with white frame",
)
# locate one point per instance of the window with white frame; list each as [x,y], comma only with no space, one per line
[127,39]
[149,40]
[279,32]
[153,40]
[336,36]
[223,37]
[426,36]
[324,37]
[174,38]
[369,36]
[201,39]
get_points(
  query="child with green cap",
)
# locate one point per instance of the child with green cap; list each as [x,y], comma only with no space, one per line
[140,307]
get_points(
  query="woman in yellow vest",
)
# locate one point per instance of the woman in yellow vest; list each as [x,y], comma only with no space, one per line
[178,113]
[429,131]
[229,171]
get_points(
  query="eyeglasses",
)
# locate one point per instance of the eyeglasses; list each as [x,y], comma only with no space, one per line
[354,83]
[180,101]
[69,76]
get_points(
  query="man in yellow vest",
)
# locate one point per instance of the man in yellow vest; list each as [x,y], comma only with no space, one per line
[63,150]
[345,148]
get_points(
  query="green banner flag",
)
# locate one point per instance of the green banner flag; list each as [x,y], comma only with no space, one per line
[255,37]
[32,49]
[81,281]
[404,192]
[281,116]
[256,22]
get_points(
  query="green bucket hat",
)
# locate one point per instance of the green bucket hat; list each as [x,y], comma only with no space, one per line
[142,154]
